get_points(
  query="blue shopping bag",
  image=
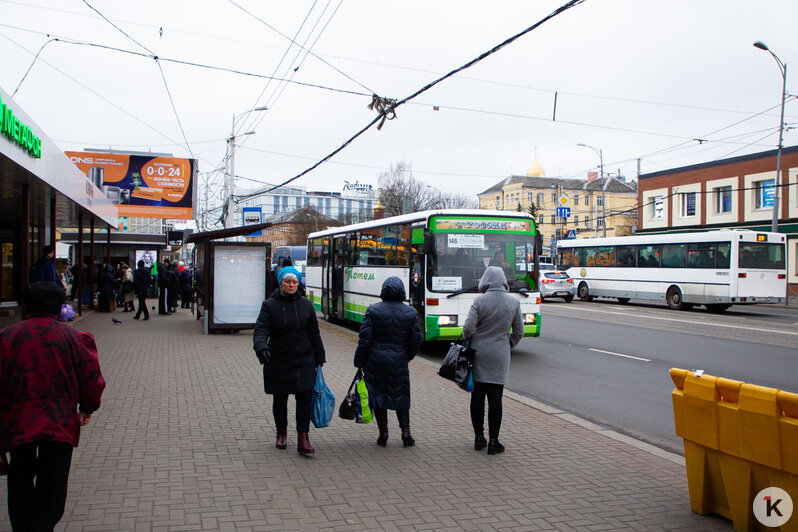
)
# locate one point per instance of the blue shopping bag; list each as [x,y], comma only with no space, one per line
[322,405]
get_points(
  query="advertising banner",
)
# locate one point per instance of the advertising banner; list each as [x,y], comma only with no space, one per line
[142,185]
[149,256]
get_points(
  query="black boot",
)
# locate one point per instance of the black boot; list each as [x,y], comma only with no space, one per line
[382,441]
[381,415]
[495,446]
[404,423]
[480,442]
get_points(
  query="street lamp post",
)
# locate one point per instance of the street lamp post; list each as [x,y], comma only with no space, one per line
[774,226]
[231,176]
[601,175]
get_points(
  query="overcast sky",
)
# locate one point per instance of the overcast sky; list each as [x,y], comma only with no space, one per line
[639,79]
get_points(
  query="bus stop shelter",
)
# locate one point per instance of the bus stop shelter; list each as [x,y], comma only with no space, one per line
[232,278]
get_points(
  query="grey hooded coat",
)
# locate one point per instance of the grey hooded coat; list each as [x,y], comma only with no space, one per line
[488,325]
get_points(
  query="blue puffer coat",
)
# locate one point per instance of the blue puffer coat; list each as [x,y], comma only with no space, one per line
[389,338]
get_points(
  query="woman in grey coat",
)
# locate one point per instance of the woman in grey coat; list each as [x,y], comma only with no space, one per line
[487,328]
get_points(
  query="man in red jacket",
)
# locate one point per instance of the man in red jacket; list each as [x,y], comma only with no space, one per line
[50,384]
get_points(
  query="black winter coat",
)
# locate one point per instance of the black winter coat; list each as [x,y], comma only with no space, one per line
[186,279]
[389,338]
[142,281]
[105,282]
[287,325]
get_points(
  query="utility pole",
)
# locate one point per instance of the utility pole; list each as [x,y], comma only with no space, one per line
[230,184]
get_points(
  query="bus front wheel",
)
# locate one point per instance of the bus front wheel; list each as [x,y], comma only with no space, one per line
[584,292]
[674,298]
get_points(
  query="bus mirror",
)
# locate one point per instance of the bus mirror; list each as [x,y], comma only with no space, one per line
[429,243]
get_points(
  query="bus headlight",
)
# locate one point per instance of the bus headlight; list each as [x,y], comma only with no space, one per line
[529,319]
[447,321]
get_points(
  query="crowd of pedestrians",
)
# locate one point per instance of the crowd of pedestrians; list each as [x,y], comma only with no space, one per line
[51,381]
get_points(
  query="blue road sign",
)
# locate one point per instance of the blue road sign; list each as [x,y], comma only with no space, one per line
[252,216]
[570,235]
[563,212]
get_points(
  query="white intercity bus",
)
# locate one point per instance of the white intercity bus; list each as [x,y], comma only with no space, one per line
[716,269]
[439,255]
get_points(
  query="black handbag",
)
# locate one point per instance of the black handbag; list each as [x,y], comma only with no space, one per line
[457,363]
[348,408]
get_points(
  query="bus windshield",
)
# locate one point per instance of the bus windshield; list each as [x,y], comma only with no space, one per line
[762,256]
[459,260]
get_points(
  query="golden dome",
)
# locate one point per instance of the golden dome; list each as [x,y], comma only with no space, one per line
[535,170]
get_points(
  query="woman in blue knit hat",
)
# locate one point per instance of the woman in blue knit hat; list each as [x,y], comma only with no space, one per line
[288,344]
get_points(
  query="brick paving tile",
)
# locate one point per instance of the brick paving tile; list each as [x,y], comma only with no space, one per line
[185,441]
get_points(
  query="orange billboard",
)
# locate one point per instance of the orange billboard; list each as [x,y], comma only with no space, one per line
[145,186]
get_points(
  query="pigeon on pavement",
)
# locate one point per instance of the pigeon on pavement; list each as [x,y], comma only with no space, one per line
[115,320]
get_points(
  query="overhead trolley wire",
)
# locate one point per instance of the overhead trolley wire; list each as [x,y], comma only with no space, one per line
[347,76]
[163,76]
[387,108]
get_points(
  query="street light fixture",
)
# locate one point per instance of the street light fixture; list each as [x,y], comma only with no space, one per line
[774,226]
[603,186]
[231,151]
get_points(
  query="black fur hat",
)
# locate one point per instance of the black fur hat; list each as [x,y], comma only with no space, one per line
[43,297]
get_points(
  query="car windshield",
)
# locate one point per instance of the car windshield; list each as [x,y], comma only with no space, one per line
[556,275]
[459,260]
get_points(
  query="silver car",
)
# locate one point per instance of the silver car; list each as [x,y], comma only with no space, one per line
[556,284]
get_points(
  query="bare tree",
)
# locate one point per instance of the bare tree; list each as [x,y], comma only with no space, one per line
[401,191]
[306,220]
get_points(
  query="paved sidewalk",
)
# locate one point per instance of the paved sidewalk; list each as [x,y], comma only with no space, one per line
[184,441]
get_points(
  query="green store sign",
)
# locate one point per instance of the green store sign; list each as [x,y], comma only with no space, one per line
[19,132]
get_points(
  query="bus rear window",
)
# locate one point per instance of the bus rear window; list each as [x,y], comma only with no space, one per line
[759,255]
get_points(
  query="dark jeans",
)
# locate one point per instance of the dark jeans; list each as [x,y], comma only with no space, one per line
[38,505]
[185,299]
[494,394]
[162,300]
[381,415]
[142,307]
[280,410]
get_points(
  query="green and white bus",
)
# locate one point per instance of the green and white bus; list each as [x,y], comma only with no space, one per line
[440,255]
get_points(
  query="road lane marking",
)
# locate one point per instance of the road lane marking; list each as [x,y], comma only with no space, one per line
[693,322]
[620,355]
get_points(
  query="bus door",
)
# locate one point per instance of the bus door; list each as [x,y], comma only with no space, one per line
[326,265]
[417,278]
[336,276]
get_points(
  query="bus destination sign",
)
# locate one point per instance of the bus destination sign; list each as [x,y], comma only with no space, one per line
[481,224]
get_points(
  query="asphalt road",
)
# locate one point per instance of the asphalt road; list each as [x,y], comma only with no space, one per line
[609,363]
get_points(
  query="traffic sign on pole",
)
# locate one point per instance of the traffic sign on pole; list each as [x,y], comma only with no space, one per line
[563,212]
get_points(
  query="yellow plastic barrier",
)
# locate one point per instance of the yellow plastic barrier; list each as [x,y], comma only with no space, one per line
[738,439]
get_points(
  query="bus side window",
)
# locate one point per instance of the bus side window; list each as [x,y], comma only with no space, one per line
[649,257]
[626,256]
[674,255]
[590,256]
[351,252]
[723,259]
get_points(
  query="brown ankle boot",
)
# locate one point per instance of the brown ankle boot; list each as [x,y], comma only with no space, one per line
[282,438]
[303,445]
